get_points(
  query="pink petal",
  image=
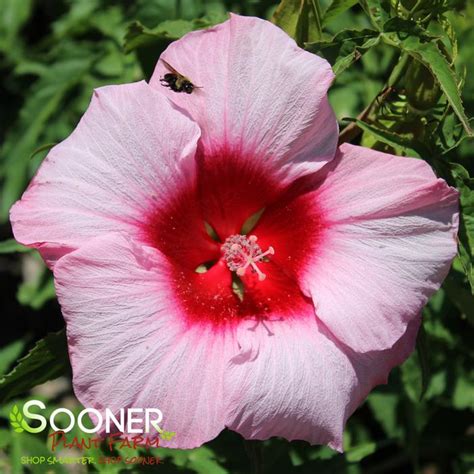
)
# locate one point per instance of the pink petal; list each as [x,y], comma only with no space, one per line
[261,95]
[389,239]
[130,152]
[294,381]
[128,344]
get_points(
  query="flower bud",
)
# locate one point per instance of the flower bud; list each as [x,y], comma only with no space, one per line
[421,88]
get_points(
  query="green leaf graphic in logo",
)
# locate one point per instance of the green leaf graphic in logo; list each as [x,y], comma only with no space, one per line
[167,435]
[16,419]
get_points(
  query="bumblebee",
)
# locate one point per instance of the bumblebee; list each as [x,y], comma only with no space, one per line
[176,81]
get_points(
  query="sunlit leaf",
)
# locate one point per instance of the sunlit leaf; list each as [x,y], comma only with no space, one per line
[384,408]
[9,354]
[335,8]
[29,293]
[301,19]
[358,453]
[463,397]
[12,246]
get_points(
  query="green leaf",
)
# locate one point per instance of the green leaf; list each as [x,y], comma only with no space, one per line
[409,27]
[450,133]
[460,296]
[42,102]
[465,185]
[429,54]
[409,146]
[150,43]
[465,259]
[358,453]
[421,88]
[415,381]
[14,15]
[411,377]
[5,438]
[9,354]
[437,387]
[139,35]
[46,361]
[377,10]
[345,48]
[335,8]
[384,408]
[463,396]
[301,19]
[39,286]
[12,246]
[36,293]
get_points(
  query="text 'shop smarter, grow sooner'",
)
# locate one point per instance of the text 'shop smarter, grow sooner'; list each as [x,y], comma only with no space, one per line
[215,253]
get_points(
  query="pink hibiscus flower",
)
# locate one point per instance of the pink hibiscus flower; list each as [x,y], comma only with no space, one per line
[286,326]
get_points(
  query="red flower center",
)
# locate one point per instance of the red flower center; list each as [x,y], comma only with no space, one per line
[209,232]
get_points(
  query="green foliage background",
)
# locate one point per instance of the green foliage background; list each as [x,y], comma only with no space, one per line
[404,85]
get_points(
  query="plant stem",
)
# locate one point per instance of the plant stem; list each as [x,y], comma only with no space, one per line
[352,130]
[317,16]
